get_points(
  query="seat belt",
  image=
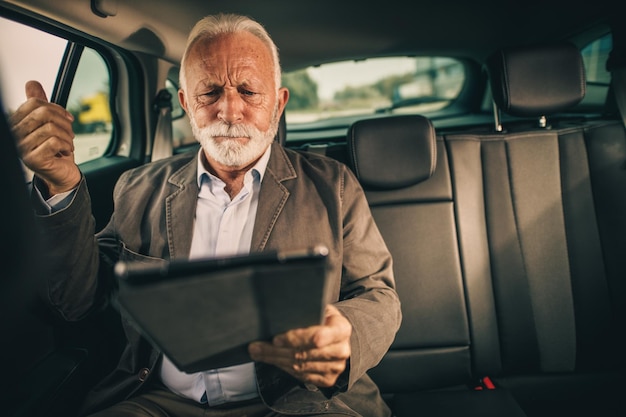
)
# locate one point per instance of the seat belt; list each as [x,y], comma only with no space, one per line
[162,145]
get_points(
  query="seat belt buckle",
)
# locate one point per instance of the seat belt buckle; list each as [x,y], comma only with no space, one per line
[485,383]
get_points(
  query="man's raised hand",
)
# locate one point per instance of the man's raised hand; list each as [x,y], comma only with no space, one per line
[45,140]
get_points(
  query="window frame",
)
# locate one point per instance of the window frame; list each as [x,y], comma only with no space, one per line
[127,89]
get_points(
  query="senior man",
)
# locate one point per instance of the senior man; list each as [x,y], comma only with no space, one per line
[241,180]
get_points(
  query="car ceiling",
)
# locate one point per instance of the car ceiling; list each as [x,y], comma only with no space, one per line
[319,31]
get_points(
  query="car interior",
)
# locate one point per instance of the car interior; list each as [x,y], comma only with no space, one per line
[495,168]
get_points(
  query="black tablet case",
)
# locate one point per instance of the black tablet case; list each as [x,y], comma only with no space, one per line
[202,314]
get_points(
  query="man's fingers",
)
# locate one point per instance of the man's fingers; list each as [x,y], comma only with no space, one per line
[34,89]
[34,133]
[316,354]
[320,371]
[336,328]
[320,367]
[52,147]
[297,338]
[263,352]
[41,120]
[45,139]
[336,351]
[36,111]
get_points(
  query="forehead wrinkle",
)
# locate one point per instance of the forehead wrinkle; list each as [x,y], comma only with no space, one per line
[238,50]
[237,73]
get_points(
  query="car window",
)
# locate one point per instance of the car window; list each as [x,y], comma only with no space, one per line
[89,102]
[389,84]
[41,63]
[88,98]
[595,55]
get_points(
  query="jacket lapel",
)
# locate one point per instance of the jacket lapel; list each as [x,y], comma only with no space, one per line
[181,210]
[181,203]
[273,196]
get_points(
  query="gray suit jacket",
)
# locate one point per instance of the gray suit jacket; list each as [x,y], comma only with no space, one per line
[304,200]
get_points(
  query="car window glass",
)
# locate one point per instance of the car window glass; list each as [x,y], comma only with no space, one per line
[595,55]
[390,85]
[88,100]
[41,62]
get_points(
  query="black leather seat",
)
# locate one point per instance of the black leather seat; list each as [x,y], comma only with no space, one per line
[404,170]
[549,191]
[508,250]
[539,191]
[395,160]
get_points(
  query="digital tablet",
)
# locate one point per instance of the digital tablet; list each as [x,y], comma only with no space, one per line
[202,314]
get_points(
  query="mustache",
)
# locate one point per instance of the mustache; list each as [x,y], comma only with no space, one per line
[221,129]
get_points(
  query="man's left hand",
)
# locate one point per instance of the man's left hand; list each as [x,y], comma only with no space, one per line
[317,355]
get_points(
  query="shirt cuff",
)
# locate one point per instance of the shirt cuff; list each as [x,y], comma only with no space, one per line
[55,203]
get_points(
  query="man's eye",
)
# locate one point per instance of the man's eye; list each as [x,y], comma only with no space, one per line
[208,97]
[246,92]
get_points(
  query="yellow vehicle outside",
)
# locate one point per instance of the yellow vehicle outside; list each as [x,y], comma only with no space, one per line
[95,113]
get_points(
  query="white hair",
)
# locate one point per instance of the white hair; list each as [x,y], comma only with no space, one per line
[214,25]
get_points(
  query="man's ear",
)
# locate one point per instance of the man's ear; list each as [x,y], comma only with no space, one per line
[182,100]
[283,98]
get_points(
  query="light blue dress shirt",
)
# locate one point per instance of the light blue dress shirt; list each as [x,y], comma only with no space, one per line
[222,227]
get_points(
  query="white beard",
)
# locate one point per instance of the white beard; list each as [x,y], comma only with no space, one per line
[233,153]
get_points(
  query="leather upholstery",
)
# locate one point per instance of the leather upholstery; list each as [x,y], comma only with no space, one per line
[537,80]
[509,256]
[395,159]
[392,152]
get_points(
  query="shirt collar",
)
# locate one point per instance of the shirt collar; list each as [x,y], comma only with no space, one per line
[258,168]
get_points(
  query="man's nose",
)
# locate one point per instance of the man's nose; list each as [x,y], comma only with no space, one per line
[230,107]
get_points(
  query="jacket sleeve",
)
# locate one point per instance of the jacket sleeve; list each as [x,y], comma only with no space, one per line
[368,297]
[71,253]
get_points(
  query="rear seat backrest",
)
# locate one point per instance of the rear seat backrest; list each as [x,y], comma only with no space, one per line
[395,158]
[606,153]
[510,258]
[558,292]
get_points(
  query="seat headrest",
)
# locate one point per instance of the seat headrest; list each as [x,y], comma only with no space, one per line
[392,152]
[537,80]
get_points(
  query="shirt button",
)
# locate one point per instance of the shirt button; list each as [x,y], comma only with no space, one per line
[143,374]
